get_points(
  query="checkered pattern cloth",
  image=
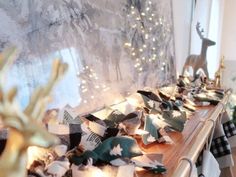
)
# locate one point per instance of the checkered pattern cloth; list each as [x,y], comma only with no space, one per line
[69,135]
[223,140]
[220,147]
[229,129]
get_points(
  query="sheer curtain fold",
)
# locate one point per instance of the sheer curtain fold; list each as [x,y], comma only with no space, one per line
[210,15]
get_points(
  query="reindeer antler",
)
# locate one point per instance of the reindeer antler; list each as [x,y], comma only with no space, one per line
[40,97]
[8,106]
[24,130]
[199,32]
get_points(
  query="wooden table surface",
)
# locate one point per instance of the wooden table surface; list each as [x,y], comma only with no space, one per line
[182,141]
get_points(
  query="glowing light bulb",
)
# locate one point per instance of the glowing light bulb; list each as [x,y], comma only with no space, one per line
[146,36]
[128,44]
[143,14]
[148,8]
[132,7]
[153,39]
[84,90]
[141,50]
[144,46]
[133,53]
[132,12]
[150,18]
[149,2]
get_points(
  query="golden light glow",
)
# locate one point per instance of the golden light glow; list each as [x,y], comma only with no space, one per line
[128,44]
[146,23]
[35,153]
[133,101]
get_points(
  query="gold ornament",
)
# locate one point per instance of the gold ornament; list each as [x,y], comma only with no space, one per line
[24,126]
[219,73]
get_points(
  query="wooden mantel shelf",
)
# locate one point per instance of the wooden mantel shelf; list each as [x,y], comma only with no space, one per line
[189,143]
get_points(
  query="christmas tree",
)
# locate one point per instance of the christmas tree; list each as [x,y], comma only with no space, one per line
[148,32]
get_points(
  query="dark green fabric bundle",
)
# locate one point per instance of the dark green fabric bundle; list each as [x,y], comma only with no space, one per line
[110,149]
[175,119]
[152,130]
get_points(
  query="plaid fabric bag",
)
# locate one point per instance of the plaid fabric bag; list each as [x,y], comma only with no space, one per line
[229,129]
[220,146]
[69,135]
[223,140]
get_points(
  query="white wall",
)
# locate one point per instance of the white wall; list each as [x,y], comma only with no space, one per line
[228,47]
[182,10]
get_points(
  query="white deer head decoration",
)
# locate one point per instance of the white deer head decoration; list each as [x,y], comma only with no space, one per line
[25,127]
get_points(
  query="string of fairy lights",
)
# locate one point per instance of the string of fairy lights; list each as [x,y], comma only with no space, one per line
[147,31]
[89,79]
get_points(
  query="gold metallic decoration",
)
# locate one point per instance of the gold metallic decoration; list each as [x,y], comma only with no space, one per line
[219,73]
[24,126]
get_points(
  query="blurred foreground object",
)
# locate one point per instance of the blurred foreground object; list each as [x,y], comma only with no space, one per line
[24,126]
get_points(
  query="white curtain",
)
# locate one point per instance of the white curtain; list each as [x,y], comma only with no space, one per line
[209,13]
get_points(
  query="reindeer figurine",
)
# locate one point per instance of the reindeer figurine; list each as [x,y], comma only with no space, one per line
[24,126]
[199,61]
